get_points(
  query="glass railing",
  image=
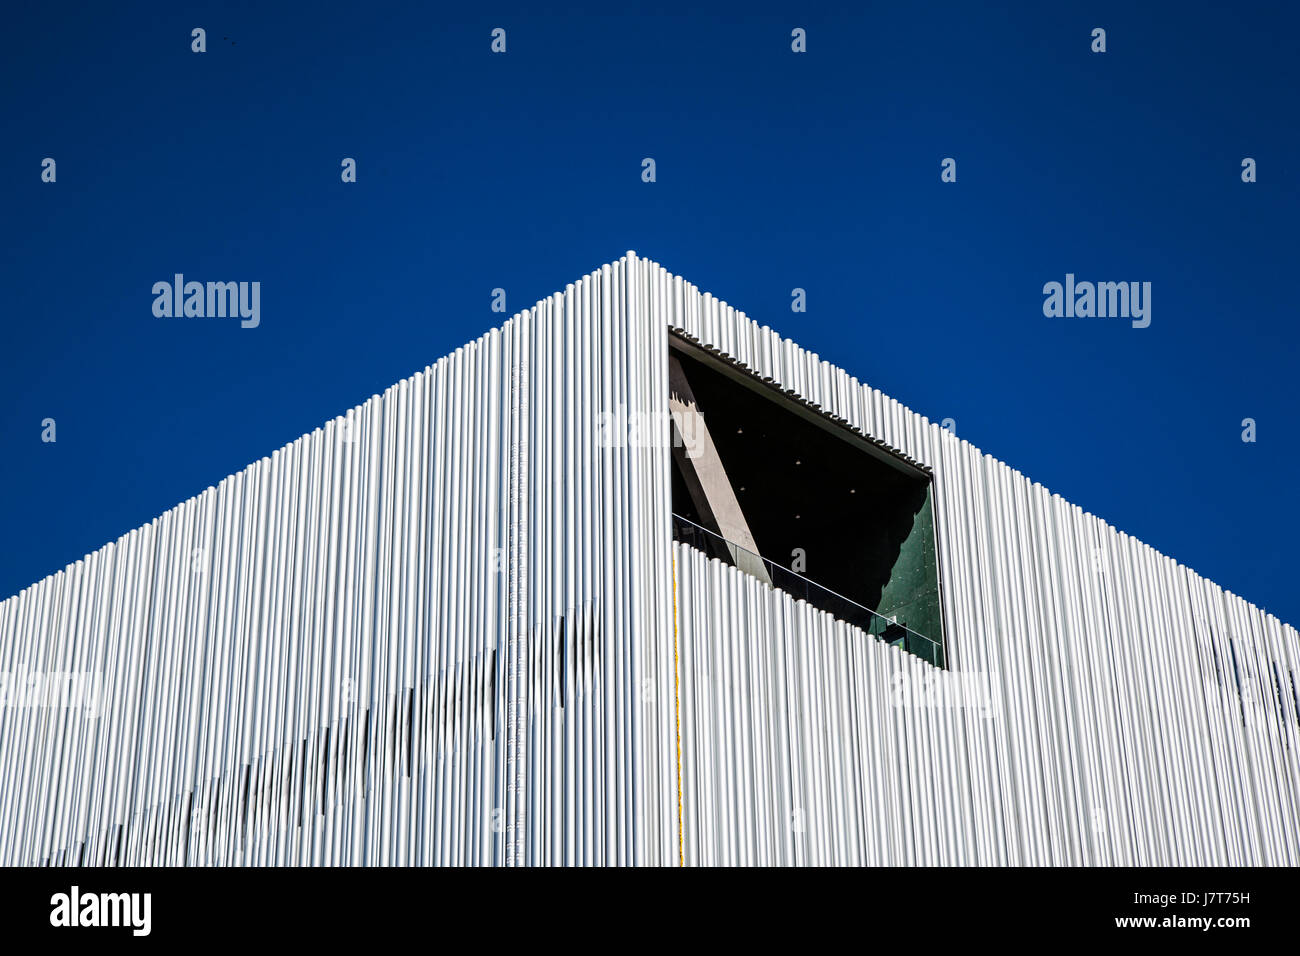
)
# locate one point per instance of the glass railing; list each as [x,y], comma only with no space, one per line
[823,598]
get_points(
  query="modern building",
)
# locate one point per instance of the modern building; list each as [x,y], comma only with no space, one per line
[634,580]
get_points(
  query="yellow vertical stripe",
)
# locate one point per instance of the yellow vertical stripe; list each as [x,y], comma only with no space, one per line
[677,716]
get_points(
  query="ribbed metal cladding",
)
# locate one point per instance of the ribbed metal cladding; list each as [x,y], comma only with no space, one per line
[1105,705]
[419,635]
[451,627]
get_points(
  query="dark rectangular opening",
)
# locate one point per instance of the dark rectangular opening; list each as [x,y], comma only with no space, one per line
[771,485]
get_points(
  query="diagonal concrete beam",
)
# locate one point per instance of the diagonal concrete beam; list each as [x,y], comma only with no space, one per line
[706,479]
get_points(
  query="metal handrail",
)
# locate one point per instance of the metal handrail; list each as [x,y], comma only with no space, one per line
[889,629]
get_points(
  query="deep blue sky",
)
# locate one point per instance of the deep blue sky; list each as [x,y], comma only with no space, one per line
[775,170]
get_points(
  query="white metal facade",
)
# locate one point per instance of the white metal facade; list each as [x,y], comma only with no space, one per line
[451,627]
